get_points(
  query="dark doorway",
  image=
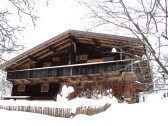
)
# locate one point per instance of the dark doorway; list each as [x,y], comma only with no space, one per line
[36,92]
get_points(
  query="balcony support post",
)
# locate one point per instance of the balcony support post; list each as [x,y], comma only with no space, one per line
[70,59]
[132,65]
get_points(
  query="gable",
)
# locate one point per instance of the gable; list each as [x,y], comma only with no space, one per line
[76,42]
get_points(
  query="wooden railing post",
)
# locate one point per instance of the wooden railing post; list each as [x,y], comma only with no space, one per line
[132,65]
[70,60]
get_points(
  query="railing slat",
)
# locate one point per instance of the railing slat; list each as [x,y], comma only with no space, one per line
[66,71]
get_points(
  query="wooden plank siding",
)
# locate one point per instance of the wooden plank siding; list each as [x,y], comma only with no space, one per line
[35,91]
[71,70]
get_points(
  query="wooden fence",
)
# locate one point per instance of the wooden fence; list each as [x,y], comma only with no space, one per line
[58,112]
[88,110]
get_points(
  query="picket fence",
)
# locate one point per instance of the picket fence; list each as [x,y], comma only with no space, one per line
[58,112]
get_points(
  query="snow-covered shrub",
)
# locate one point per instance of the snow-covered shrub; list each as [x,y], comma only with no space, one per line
[96,94]
[64,95]
[1,96]
[5,87]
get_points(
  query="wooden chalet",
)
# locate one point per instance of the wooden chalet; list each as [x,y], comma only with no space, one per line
[86,61]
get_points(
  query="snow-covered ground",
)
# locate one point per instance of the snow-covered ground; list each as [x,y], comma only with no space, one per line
[74,103]
[155,95]
[140,114]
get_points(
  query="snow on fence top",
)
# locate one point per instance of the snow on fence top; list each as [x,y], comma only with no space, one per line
[61,104]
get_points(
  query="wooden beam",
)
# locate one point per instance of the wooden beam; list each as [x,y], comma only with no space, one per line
[44,48]
[50,80]
[61,43]
[63,46]
[16,81]
[36,81]
[61,52]
[73,38]
[52,49]
[73,41]
[97,43]
[41,52]
[25,81]
[51,52]
[32,58]
[45,55]
[14,66]
[53,46]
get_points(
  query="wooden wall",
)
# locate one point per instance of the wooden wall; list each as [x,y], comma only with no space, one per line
[35,91]
[122,85]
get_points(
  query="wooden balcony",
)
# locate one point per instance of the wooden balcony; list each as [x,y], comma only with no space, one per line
[71,70]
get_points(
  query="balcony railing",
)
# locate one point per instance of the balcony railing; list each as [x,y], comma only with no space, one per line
[72,70]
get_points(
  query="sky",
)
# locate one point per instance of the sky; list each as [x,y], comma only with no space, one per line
[57,17]
[54,19]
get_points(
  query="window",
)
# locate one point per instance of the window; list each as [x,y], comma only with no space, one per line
[56,59]
[21,88]
[81,57]
[44,87]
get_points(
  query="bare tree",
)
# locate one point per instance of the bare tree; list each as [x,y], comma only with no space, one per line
[11,18]
[14,14]
[5,86]
[146,19]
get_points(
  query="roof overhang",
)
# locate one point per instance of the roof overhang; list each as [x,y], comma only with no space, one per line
[62,41]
